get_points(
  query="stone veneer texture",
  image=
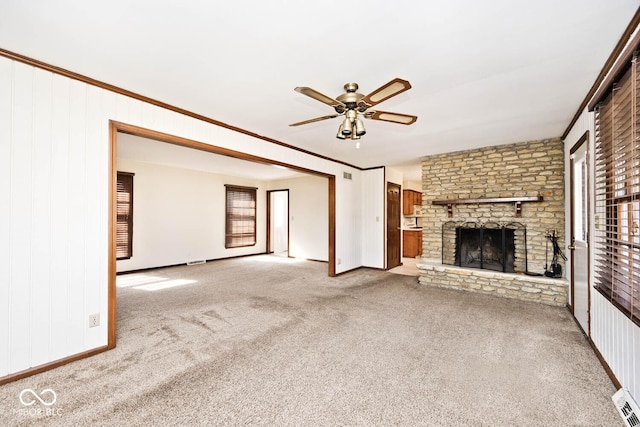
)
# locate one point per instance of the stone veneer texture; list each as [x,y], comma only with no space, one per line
[507,285]
[533,168]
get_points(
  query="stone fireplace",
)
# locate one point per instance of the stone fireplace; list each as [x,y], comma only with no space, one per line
[487,212]
[487,246]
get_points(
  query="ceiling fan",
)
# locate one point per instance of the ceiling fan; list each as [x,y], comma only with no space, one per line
[351,104]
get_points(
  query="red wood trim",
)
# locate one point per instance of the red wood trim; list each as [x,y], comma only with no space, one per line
[635,21]
[604,364]
[111,263]
[177,140]
[134,95]
[584,138]
[332,226]
[386,225]
[616,72]
[268,225]
[51,365]
[384,220]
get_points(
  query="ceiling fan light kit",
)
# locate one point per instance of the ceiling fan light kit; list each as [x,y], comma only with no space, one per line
[352,104]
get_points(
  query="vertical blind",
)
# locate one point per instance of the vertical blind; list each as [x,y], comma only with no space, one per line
[617,181]
[240,216]
[124,215]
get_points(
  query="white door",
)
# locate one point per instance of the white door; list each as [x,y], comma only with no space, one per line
[579,238]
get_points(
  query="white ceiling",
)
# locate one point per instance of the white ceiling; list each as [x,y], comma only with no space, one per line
[483,72]
[152,151]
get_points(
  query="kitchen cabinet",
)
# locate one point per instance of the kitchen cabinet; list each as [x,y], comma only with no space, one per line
[410,198]
[411,243]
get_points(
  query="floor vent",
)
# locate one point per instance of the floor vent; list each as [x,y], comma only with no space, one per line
[627,407]
[196,262]
[346,175]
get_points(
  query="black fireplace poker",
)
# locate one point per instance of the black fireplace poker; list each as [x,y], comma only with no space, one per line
[555,269]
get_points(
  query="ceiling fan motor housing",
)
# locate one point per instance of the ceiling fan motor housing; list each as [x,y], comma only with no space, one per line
[350,99]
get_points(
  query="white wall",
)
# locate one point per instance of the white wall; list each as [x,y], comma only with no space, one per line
[394,175]
[615,335]
[308,216]
[412,185]
[179,215]
[54,176]
[373,218]
[349,237]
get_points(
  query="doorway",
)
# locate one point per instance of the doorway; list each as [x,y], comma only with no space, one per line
[393,225]
[579,235]
[117,127]
[278,222]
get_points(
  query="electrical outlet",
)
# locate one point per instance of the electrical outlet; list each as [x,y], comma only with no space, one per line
[94,320]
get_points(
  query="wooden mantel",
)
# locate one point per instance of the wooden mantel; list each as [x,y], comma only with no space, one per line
[517,201]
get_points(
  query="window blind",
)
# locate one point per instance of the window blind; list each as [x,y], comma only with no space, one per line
[240,216]
[617,203]
[124,215]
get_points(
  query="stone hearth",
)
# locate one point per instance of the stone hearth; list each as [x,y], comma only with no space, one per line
[531,170]
[508,285]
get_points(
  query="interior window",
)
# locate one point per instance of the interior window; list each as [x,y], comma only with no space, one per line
[240,222]
[124,215]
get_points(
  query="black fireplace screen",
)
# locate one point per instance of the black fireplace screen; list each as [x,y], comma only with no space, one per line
[488,245]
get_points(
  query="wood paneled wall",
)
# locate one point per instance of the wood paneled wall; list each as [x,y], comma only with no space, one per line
[54,213]
[373,217]
[615,336]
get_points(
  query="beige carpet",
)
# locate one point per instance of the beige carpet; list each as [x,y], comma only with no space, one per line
[273,341]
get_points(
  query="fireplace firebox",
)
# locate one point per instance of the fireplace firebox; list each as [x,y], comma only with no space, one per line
[485,245]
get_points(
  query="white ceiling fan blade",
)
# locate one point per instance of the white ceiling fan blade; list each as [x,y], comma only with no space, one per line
[403,119]
[393,88]
[317,119]
[312,93]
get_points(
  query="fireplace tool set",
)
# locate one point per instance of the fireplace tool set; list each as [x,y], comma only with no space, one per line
[555,269]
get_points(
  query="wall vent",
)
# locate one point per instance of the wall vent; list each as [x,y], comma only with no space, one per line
[627,407]
[196,262]
[346,175]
